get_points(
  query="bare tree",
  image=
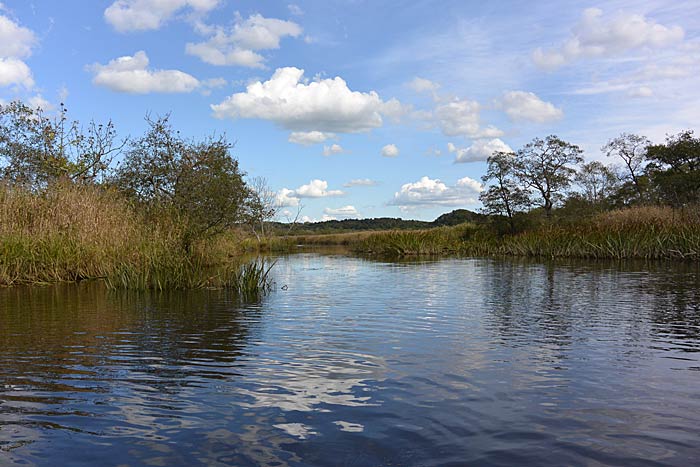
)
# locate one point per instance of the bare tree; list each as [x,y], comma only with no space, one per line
[261,206]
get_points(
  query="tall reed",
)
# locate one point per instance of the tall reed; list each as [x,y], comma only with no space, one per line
[72,233]
[647,232]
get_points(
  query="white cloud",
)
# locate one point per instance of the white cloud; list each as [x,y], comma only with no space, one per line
[15,71]
[461,118]
[38,102]
[423,85]
[286,197]
[316,189]
[480,150]
[131,74]
[332,149]
[432,192]
[361,182]
[662,74]
[325,105]
[345,211]
[594,37]
[142,15]
[295,10]
[239,45]
[307,138]
[526,106]
[16,42]
[390,150]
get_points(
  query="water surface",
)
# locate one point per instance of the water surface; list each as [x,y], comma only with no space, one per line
[452,362]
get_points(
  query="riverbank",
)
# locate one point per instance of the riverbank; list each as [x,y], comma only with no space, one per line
[72,233]
[634,233]
[643,233]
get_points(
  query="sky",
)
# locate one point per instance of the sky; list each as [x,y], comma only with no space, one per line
[355,109]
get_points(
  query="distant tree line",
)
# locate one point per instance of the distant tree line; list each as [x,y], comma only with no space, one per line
[550,173]
[197,181]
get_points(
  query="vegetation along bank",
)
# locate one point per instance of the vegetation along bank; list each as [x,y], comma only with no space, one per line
[180,213]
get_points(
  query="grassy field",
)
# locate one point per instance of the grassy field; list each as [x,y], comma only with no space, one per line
[73,233]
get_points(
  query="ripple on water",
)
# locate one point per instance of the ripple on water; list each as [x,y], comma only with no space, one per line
[449,362]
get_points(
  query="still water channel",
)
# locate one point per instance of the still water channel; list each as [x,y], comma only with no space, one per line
[352,362]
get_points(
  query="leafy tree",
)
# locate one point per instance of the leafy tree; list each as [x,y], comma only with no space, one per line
[37,150]
[632,149]
[199,181]
[504,196]
[597,181]
[675,168]
[543,166]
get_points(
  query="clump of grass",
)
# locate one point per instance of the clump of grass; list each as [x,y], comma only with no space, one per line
[71,233]
[437,241]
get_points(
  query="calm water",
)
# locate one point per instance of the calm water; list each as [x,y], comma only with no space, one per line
[455,362]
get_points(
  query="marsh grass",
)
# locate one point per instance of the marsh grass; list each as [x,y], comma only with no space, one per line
[71,233]
[437,241]
[645,232]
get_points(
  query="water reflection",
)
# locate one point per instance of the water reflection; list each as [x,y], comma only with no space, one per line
[362,363]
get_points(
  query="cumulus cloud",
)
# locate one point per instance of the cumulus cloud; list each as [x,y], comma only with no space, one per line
[142,15]
[286,197]
[390,150]
[423,85]
[462,118]
[595,37]
[345,211]
[238,46]
[428,192]
[480,150]
[131,74]
[307,138]
[314,189]
[526,106]
[15,71]
[16,43]
[15,40]
[361,182]
[325,105]
[333,149]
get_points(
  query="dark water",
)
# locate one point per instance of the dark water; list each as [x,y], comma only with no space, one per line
[456,362]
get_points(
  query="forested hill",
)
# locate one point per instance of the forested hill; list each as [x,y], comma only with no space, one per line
[455,217]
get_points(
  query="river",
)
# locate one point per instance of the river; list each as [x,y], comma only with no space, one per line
[352,362]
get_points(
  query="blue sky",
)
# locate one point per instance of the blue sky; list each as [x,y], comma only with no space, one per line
[363,108]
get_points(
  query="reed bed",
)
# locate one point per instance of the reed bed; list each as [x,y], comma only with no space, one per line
[437,241]
[72,233]
[645,233]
